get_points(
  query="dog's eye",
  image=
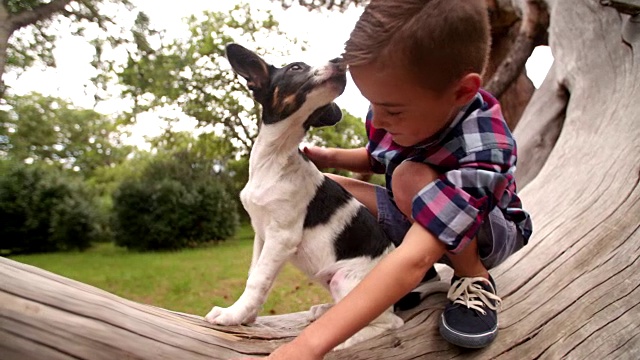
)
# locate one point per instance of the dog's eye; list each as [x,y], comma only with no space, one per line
[295,67]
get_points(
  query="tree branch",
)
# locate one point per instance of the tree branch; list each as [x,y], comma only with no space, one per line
[44,11]
[533,27]
[629,7]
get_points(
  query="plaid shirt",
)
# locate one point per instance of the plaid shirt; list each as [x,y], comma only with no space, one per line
[476,157]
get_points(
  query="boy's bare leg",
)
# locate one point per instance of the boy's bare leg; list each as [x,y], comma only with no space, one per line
[363,191]
[467,262]
[408,179]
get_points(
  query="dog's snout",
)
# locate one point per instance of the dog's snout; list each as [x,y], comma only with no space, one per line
[340,62]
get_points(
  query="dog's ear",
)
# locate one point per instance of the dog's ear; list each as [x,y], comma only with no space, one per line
[250,66]
[327,115]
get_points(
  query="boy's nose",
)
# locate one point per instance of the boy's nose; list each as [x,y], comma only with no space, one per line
[378,121]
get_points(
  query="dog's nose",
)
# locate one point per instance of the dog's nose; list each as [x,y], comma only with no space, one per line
[339,61]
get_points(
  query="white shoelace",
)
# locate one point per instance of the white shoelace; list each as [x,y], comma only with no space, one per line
[467,292]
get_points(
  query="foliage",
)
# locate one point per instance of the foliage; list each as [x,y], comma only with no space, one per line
[207,147]
[193,74]
[43,209]
[30,26]
[349,133]
[340,5]
[177,202]
[105,180]
[38,128]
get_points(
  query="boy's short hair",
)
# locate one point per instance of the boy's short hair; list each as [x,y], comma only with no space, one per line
[438,41]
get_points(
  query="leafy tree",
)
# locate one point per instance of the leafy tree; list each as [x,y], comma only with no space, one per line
[177,202]
[43,209]
[193,74]
[105,180]
[212,149]
[340,5]
[347,134]
[26,36]
[206,146]
[40,128]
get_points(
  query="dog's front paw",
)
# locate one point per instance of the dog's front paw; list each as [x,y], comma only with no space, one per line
[229,316]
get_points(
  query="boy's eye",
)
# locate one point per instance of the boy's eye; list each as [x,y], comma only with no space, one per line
[393,113]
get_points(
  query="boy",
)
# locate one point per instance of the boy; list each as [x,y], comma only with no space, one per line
[449,161]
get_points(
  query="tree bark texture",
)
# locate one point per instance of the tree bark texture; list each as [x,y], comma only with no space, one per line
[572,292]
[516,96]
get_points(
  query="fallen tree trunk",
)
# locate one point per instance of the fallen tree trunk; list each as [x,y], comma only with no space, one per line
[573,292]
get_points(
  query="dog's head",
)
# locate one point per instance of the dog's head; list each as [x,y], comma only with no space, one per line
[296,91]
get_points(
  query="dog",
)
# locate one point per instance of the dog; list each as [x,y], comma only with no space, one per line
[299,214]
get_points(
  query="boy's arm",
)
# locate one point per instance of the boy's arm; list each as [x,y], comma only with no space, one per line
[396,275]
[356,160]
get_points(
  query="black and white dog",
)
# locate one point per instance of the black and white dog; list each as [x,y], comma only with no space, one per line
[297,213]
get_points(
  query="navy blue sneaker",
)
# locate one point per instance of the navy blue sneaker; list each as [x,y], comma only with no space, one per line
[470,320]
[414,298]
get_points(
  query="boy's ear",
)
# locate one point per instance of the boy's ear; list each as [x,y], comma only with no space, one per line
[327,115]
[250,66]
[467,88]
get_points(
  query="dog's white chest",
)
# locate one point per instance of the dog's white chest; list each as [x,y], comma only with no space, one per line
[280,192]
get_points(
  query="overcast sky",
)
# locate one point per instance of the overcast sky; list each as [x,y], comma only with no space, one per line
[324,32]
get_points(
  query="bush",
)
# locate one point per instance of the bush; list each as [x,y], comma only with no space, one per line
[42,209]
[175,203]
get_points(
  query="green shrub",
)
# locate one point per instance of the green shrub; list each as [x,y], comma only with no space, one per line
[43,209]
[175,203]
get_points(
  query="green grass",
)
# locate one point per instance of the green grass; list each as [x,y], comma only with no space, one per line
[190,281]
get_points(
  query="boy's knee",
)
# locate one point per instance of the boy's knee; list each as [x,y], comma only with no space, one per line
[407,180]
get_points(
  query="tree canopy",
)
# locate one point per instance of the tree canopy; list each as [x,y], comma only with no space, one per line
[37,128]
[193,74]
[28,36]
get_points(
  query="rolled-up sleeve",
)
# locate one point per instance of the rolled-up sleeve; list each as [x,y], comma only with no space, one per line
[454,206]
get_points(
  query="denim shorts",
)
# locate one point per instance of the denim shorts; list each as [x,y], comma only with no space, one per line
[497,237]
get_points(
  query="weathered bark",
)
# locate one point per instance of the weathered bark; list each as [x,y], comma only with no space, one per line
[573,292]
[514,99]
[532,31]
[542,122]
[517,27]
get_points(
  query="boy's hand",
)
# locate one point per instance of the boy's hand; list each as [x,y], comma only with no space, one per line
[320,156]
[289,351]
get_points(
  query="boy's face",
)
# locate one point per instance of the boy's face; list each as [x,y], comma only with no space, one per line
[406,110]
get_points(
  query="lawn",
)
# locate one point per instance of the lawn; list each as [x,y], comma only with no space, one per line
[190,281]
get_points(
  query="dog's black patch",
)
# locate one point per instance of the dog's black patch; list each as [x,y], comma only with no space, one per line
[329,197]
[327,115]
[288,90]
[361,237]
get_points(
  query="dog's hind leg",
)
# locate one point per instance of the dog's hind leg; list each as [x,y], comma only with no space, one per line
[342,282]
[279,245]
